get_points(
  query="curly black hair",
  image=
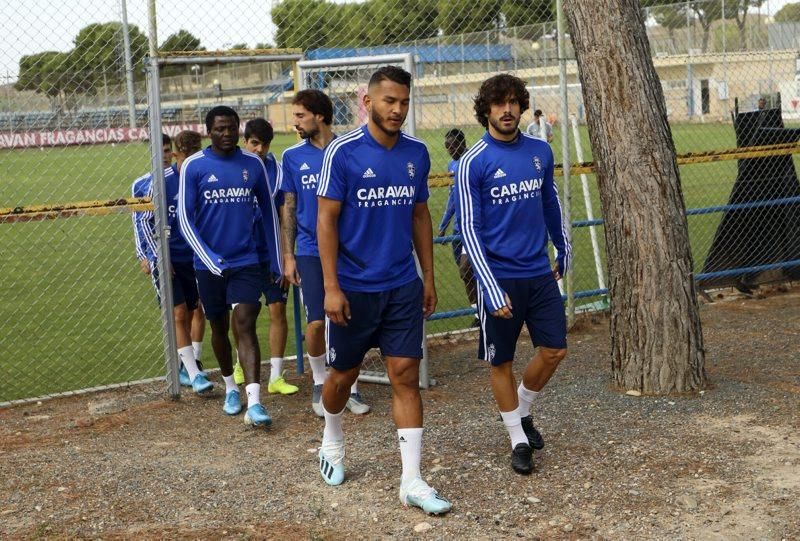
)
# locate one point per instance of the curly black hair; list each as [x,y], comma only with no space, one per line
[496,90]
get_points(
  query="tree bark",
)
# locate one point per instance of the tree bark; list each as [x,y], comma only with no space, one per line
[657,340]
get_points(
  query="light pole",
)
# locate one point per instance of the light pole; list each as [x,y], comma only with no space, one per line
[196,70]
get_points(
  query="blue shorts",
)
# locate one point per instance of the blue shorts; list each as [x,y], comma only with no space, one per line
[311,286]
[184,284]
[537,303]
[236,285]
[391,320]
[272,290]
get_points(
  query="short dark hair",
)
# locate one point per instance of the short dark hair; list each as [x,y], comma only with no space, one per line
[260,128]
[219,110]
[495,90]
[537,112]
[166,140]
[391,73]
[456,135]
[188,141]
[317,102]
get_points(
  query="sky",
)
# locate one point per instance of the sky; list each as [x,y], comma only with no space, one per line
[26,28]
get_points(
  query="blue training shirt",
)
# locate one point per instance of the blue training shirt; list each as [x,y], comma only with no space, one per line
[179,249]
[378,189]
[302,164]
[216,209]
[142,232]
[274,178]
[508,203]
[452,199]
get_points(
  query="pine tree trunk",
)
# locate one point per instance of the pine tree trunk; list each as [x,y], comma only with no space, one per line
[657,341]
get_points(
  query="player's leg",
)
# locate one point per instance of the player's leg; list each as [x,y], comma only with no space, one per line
[198,331]
[400,339]
[184,295]
[347,346]
[244,292]
[547,325]
[238,371]
[497,345]
[278,332]
[213,296]
[313,294]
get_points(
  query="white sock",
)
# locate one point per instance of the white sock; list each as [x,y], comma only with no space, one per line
[187,358]
[253,391]
[276,363]
[526,398]
[333,425]
[410,452]
[317,365]
[354,387]
[230,384]
[514,426]
[198,349]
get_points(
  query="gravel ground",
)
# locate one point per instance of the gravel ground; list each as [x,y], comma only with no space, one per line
[724,464]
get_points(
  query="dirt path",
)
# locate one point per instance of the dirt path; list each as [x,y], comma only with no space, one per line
[722,465]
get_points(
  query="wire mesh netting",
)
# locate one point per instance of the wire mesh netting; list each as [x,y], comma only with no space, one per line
[74,127]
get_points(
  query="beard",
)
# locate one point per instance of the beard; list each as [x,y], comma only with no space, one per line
[379,122]
[310,134]
[505,131]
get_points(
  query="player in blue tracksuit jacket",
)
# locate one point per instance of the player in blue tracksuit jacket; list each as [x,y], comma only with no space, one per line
[218,191]
[312,113]
[456,145]
[372,213]
[258,135]
[184,288]
[508,204]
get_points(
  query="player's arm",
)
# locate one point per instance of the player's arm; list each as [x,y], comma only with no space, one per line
[470,178]
[331,191]
[264,196]
[187,209]
[139,218]
[289,225]
[553,219]
[449,211]
[422,236]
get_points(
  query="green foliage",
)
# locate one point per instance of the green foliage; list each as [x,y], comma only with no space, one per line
[790,13]
[182,40]
[525,12]
[469,16]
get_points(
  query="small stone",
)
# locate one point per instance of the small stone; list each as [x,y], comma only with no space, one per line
[62,489]
[568,527]
[334,505]
[671,403]
[587,486]
[37,417]
[105,407]
[633,492]
[437,460]
[311,450]
[423,527]
[38,507]
[687,502]
[633,392]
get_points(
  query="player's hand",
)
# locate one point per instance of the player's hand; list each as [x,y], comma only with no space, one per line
[505,311]
[451,174]
[556,272]
[429,299]
[144,264]
[290,270]
[442,232]
[337,308]
[282,282]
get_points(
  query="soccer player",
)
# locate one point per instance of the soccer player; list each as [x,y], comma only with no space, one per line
[372,208]
[534,129]
[258,135]
[312,112]
[216,208]
[508,204]
[456,144]
[184,288]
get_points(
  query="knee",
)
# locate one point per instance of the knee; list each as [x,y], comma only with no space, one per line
[315,327]
[181,314]
[404,375]
[342,378]
[552,357]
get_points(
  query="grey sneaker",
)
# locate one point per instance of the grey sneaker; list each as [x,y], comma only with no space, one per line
[357,405]
[316,400]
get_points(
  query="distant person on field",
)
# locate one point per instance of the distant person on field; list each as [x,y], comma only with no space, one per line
[184,287]
[762,104]
[534,129]
[456,144]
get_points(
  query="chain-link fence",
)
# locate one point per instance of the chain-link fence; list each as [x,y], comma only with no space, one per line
[74,125]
